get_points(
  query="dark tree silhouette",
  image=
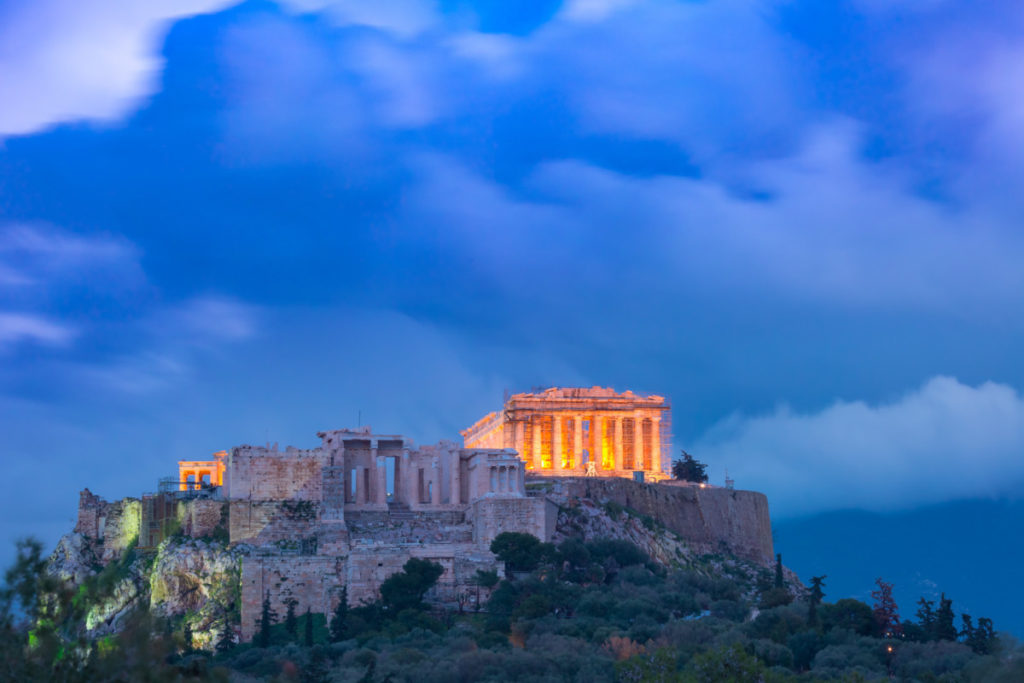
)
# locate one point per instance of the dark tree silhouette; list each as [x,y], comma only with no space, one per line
[291,624]
[267,618]
[886,613]
[689,468]
[308,639]
[405,590]
[945,629]
[339,620]
[815,598]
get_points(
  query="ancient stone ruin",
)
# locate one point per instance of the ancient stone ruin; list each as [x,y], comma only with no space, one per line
[303,524]
[580,432]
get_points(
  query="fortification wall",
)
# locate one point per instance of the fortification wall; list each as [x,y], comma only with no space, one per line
[270,522]
[492,516]
[259,474]
[315,581]
[710,517]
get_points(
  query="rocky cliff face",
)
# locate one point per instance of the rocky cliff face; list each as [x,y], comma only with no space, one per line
[190,580]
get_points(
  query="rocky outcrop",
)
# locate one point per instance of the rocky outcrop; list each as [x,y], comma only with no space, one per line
[198,581]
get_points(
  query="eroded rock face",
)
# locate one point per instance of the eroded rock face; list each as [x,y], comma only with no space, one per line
[74,559]
[198,580]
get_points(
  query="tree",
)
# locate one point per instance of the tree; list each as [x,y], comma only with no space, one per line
[689,469]
[226,639]
[885,611]
[267,618]
[944,627]
[779,581]
[187,638]
[405,589]
[926,618]
[849,614]
[291,625]
[308,639]
[339,620]
[520,552]
[815,598]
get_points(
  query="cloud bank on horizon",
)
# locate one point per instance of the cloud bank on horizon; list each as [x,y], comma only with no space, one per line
[261,219]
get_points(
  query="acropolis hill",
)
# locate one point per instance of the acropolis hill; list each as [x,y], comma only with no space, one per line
[300,524]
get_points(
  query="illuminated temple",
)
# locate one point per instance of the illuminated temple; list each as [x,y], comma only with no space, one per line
[580,432]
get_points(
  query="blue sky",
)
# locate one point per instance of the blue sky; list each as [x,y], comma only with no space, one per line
[232,223]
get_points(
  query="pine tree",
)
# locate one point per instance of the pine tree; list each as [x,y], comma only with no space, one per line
[689,469]
[779,583]
[226,639]
[926,618]
[309,629]
[815,598]
[339,621]
[944,627]
[267,618]
[291,625]
[886,613]
[984,637]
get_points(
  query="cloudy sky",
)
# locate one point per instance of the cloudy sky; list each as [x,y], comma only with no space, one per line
[238,223]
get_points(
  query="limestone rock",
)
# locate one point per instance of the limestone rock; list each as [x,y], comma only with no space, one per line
[198,580]
[74,559]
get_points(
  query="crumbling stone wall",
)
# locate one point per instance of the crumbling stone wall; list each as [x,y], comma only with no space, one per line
[709,517]
[113,526]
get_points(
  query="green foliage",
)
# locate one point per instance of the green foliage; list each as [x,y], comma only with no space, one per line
[339,620]
[521,552]
[635,624]
[689,468]
[267,618]
[849,614]
[405,589]
[729,663]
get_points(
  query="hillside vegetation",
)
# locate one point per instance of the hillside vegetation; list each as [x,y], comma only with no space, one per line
[584,610]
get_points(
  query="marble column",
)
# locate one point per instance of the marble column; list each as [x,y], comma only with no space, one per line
[655,464]
[435,487]
[360,485]
[520,438]
[638,441]
[535,457]
[596,433]
[618,442]
[456,478]
[556,442]
[381,478]
[577,443]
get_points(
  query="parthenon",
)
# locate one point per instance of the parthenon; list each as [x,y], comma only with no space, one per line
[580,431]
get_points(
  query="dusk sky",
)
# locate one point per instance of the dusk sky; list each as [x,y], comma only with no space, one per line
[238,223]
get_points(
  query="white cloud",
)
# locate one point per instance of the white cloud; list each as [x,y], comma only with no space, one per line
[39,255]
[69,60]
[943,441]
[405,18]
[16,328]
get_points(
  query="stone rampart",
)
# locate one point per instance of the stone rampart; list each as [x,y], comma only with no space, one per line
[492,516]
[709,517]
[256,473]
[113,526]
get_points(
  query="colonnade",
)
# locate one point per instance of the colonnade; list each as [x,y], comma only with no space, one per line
[504,479]
[564,441]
